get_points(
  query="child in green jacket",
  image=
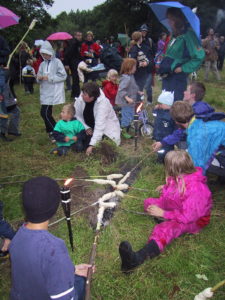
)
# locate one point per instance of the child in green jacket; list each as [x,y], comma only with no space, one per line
[69,133]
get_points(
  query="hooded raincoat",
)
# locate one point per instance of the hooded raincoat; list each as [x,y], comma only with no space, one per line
[204,139]
[186,212]
[52,90]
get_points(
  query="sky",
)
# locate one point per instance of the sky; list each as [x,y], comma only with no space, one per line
[68,5]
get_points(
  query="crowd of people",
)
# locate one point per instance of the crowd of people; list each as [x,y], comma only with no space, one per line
[182,120]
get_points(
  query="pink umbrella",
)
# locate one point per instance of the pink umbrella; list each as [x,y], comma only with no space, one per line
[59,36]
[7,18]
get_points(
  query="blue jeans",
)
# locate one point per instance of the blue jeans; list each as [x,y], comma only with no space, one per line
[127,115]
[79,287]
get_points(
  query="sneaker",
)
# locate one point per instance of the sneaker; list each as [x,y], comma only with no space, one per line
[54,151]
[4,138]
[51,137]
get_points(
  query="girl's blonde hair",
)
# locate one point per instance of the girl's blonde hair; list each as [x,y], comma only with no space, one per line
[177,164]
[111,72]
[136,36]
[69,108]
[127,65]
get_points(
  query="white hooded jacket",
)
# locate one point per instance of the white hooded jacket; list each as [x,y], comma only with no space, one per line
[52,90]
[106,121]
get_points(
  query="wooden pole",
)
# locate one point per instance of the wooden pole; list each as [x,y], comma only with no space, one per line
[90,270]
[17,46]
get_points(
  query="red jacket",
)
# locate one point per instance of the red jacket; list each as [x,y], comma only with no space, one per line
[110,90]
[86,48]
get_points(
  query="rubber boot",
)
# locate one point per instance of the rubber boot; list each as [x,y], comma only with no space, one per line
[125,133]
[131,259]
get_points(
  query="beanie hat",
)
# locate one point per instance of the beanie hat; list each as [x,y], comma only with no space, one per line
[40,196]
[144,27]
[166,98]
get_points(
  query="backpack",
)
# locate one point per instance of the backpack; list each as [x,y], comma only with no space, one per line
[111,58]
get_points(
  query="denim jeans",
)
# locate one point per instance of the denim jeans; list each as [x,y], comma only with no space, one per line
[127,115]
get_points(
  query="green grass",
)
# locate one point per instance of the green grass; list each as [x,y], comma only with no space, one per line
[172,274]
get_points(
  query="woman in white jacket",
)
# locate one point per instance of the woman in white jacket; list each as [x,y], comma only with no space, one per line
[51,76]
[96,113]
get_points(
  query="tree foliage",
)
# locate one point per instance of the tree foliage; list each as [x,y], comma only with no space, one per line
[110,18]
[27,10]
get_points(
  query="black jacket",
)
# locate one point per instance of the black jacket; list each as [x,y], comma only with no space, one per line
[4,51]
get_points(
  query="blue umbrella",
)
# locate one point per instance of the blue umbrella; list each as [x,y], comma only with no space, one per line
[160,9]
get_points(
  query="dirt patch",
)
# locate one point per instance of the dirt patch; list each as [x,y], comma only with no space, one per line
[85,193]
[107,153]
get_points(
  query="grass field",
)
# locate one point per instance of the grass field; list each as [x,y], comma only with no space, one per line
[170,276]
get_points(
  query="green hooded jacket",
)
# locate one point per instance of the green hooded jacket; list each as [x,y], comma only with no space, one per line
[186,51]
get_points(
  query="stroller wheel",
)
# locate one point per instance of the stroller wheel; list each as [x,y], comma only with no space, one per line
[146,129]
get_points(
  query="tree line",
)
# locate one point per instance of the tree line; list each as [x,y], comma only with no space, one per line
[110,18]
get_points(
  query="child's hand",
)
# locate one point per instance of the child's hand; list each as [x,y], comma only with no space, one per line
[159,188]
[82,269]
[45,78]
[129,100]
[67,139]
[155,211]
[40,78]
[156,146]
[74,138]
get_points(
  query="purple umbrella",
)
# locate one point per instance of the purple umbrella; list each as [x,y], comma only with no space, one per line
[59,36]
[7,18]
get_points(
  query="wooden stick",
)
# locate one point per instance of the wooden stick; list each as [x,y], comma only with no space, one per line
[217,286]
[90,270]
[17,46]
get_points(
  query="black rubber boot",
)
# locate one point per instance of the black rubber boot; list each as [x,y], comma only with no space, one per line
[131,259]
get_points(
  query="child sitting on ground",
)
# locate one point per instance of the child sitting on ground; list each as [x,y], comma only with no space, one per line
[164,124]
[110,86]
[69,133]
[29,75]
[127,94]
[185,204]
[194,96]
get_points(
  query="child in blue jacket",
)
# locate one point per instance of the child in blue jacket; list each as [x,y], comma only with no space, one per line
[164,124]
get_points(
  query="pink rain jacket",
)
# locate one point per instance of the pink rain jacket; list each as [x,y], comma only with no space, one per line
[184,213]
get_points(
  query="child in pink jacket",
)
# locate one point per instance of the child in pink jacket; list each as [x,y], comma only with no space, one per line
[184,204]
